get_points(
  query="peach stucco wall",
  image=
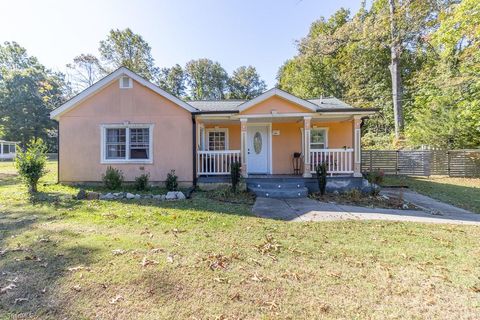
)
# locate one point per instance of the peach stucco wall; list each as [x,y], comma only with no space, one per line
[275,103]
[80,134]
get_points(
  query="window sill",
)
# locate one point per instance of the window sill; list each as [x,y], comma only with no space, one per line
[120,161]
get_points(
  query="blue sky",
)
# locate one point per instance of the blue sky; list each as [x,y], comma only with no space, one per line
[244,32]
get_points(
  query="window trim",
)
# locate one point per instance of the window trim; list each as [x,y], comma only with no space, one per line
[207,133]
[103,153]
[326,136]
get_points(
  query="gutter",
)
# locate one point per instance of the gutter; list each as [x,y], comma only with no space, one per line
[194,150]
[58,152]
[359,110]
[214,112]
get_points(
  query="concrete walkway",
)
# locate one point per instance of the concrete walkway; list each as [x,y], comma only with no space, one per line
[305,209]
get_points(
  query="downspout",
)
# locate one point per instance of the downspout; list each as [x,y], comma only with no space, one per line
[58,151]
[194,150]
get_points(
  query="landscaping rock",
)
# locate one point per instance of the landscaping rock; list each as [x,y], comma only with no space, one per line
[82,194]
[129,196]
[137,196]
[93,195]
[175,195]
[107,196]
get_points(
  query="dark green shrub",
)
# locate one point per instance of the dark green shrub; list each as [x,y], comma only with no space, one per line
[321,171]
[31,163]
[141,182]
[171,183]
[113,178]
[235,175]
[375,178]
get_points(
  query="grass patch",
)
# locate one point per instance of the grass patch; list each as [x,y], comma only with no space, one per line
[204,258]
[461,192]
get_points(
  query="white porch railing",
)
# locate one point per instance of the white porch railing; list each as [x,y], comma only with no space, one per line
[216,162]
[337,160]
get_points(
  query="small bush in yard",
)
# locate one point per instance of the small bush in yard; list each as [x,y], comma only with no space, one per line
[375,178]
[141,182]
[321,171]
[171,183]
[235,171]
[113,178]
[31,163]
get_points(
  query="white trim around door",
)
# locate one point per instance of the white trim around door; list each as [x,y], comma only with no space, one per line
[267,125]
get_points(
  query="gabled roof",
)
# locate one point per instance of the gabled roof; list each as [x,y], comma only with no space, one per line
[279,93]
[114,76]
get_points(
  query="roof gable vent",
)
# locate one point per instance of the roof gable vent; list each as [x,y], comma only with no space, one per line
[126,83]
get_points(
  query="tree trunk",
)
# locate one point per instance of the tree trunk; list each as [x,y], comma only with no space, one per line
[397,91]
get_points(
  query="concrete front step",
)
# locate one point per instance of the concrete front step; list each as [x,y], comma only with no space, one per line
[279,193]
[266,184]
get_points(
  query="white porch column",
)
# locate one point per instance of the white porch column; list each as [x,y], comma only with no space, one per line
[357,146]
[306,147]
[243,146]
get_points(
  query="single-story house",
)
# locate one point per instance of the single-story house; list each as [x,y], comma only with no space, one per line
[128,122]
[7,149]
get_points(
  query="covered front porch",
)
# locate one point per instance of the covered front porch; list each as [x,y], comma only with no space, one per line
[277,145]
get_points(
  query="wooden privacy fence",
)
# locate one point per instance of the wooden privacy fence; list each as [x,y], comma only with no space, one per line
[454,163]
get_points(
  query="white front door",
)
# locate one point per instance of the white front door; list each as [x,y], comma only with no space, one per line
[258,148]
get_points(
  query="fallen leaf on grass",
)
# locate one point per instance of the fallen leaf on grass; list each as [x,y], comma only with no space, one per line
[118,252]
[9,287]
[291,275]
[217,261]
[116,299]
[146,262]
[235,297]
[20,300]
[334,274]
[77,288]
[170,258]
[476,288]
[257,278]
[221,280]
[78,268]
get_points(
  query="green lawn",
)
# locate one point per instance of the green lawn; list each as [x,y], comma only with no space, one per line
[461,192]
[205,259]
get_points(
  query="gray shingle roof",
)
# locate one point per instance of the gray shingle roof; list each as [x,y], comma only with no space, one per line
[216,105]
[232,105]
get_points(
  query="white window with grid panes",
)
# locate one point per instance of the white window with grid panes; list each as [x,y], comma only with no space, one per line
[318,138]
[127,143]
[217,139]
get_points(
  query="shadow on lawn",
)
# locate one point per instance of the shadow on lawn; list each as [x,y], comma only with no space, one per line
[33,265]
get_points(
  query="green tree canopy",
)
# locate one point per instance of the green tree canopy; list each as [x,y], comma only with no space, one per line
[172,80]
[28,93]
[128,49]
[206,79]
[245,83]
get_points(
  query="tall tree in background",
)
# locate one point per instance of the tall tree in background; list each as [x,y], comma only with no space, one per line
[28,93]
[172,80]
[395,51]
[206,79]
[128,49]
[245,83]
[84,71]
